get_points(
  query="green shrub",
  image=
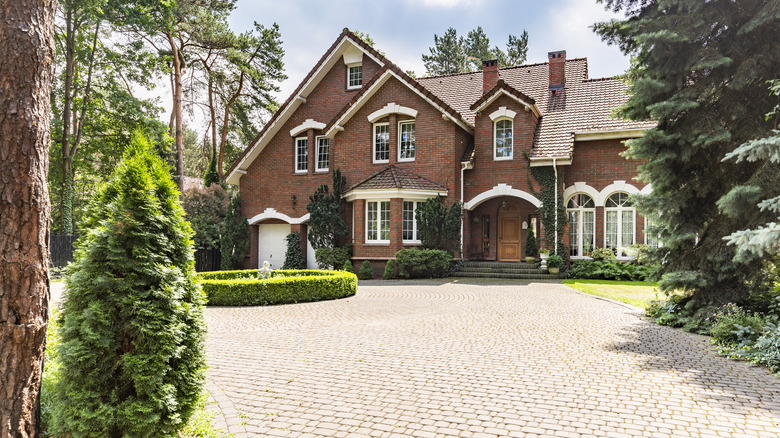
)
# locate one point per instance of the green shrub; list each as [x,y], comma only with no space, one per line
[366,273]
[132,328]
[531,250]
[245,288]
[602,254]
[234,236]
[735,326]
[348,267]
[293,257]
[554,261]
[206,210]
[422,263]
[766,350]
[611,270]
[438,225]
[332,258]
[390,270]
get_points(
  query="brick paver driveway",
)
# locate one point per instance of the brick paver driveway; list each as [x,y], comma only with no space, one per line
[476,359]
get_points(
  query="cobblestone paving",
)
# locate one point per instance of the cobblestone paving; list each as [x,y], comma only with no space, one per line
[471,358]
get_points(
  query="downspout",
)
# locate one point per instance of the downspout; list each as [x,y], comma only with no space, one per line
[555,169]
[463,166]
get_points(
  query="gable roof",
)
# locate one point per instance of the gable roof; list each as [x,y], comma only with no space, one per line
[345,41]
[392,177]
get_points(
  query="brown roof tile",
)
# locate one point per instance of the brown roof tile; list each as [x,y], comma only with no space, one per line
[392,177]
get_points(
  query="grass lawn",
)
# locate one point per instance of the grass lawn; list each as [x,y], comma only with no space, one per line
[636,293]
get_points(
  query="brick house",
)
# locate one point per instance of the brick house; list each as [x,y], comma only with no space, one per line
[468,137]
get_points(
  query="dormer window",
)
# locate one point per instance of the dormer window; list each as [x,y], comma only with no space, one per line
[502,139]
[354,76]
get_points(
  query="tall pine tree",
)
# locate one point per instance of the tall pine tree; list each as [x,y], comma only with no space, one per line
[447,55]
[700,70]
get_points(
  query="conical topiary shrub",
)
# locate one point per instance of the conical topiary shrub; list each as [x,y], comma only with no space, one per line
[390,270]
[348,267]
[132,326]
[366,273]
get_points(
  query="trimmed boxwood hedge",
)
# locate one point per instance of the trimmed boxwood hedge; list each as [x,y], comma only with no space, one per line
[245,288]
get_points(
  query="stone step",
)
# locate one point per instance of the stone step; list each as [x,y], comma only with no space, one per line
[509,265]
[521,270]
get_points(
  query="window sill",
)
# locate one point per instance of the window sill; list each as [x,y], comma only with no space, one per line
[381,162]
[411,242]
[502,158]
[405,160]
[377,243]
[321,170]
[301,172]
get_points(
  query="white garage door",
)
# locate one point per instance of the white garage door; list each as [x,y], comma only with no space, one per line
[272,245]
[311,262]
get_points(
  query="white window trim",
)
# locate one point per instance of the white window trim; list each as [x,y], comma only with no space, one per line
[378,220]
[406,122]
[619,210]
[648,222]
[495,127]
[415,231]
[295,162]
[373,143]
[349,67]
[580,225]
[317,167]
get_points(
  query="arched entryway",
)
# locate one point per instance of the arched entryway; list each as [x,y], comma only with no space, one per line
[497,229]
[509,232]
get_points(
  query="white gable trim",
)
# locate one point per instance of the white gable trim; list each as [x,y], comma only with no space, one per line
[286,111]
[391,108]
[502,92]
[271,213]
[308,124]
[501,190]
[353,56]
[374,88]
[609,134]
[502,112]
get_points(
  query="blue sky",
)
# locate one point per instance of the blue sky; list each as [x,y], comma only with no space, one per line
[404,29]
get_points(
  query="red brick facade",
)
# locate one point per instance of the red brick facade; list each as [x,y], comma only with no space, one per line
[273,192]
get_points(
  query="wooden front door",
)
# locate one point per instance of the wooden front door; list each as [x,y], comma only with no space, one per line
[509,234]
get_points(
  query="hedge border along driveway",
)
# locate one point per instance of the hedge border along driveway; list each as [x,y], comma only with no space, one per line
[245,288]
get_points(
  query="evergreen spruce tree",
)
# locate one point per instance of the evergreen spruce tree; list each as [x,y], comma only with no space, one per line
[132,324]
[700,70]
[293,258]
[531,250]
[234,236]
[390,270]
[326,225]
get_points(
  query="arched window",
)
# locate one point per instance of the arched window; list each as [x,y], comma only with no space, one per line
[502,139]
[582,224]
[620,220]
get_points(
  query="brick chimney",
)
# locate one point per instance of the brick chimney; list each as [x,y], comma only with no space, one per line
[489,75]
[557,69]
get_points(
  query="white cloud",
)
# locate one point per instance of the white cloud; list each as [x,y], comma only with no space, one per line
[447,3]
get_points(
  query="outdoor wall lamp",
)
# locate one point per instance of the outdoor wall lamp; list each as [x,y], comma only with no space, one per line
[293,199]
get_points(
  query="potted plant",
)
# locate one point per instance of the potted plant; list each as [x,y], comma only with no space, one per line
[543,254]
[530,247]
[554,263]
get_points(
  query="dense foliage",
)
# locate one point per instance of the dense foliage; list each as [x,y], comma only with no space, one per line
[245,288]
[335,258]
[554,261]
[700,70]
[611,270]
[132,324]
[293,257]
[390,270]
[366,272]
[423,263]
[545,179]
[234,236]
[453,54]
[439,225]
[206,210]
[531,250]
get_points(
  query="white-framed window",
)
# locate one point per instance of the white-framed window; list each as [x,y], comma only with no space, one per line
[502,139]
[378,221]
[619,223]
[381,143]
[323,154]
[354,76]
[409,231]
[301,155]
[406,141]
[651,240]
[582,225]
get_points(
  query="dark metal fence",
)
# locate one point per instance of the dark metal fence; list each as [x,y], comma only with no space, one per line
[61,249]
[207,260]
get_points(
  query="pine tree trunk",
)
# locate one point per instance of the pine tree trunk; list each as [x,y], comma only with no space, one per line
[26,70]
[178,71]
